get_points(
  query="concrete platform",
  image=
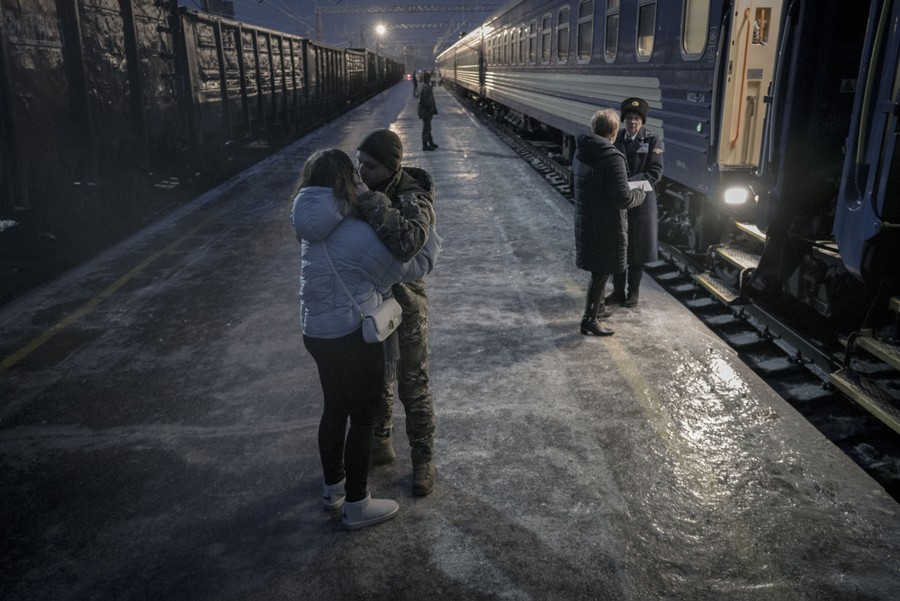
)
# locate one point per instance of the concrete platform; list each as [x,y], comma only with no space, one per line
[158,419]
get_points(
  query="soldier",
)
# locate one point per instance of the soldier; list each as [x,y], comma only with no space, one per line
[644,156]
[402,213]
[427,109]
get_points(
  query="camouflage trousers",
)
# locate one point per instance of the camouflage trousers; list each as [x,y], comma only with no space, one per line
[412,375]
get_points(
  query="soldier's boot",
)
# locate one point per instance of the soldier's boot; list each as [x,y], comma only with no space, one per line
[634,287]
[424,472]
[618,294]
[424,476]
[382,451]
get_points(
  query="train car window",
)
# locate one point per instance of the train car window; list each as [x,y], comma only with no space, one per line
[585,42]
[562,35]
[522,38]
[546,31]
[761,26]
[646,28]
[504,48]
[693,27]
[611,46]
[532,42]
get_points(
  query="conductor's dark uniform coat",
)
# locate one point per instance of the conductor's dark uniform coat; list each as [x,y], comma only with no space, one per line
[644,159]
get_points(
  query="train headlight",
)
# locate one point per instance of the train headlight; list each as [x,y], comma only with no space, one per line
[737,195]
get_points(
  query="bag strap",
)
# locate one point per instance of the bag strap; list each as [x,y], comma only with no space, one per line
[344,286]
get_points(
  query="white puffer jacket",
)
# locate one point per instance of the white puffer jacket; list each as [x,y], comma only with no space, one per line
[366,266]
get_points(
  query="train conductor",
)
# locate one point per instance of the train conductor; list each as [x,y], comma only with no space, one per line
[644,157]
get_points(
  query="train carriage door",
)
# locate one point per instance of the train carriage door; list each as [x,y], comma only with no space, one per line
[751,60]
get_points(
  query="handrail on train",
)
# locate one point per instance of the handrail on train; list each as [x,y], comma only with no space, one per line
[715,86]
[737,132]
[864,116]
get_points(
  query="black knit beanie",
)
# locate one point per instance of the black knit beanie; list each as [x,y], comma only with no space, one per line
[384,146]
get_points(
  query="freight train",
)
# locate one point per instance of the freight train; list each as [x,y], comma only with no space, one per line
[107,106]
[779,120]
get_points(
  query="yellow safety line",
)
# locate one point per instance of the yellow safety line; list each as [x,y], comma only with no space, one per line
[87,307]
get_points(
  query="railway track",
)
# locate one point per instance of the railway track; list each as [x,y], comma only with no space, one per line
[796,366]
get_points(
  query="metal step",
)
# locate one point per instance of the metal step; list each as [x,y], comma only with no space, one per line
[738,257]
[889,353]
[750,228]
[717,287]
[869,396]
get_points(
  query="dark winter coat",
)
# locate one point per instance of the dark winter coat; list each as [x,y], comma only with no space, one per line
[602,196]
[644,157]
[426,107]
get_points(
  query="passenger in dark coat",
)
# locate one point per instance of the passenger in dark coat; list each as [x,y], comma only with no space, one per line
[602,196]
[644,156]
[426,109]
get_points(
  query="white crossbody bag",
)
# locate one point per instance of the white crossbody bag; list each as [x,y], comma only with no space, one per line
[382,321]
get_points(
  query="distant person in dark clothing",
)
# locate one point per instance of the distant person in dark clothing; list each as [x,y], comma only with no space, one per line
[602,196]
[415,83]
[427,110]
[644,156]
[402,213]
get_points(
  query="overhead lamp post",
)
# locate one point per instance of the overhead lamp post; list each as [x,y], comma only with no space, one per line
[379,30]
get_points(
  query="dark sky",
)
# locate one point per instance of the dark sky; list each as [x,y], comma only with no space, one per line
[409,35]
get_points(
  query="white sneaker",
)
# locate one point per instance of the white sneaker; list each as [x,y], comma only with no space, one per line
[333,496]
[368,512]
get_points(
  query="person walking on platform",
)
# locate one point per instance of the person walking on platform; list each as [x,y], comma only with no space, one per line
[427,110]
[602,196]
[402,214]
[337,245]
[644,156]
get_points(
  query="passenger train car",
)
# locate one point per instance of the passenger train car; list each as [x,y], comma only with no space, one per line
[701,66]
[779,120]
[106,105]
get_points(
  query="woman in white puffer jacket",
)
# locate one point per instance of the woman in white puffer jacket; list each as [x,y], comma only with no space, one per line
[351,370]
